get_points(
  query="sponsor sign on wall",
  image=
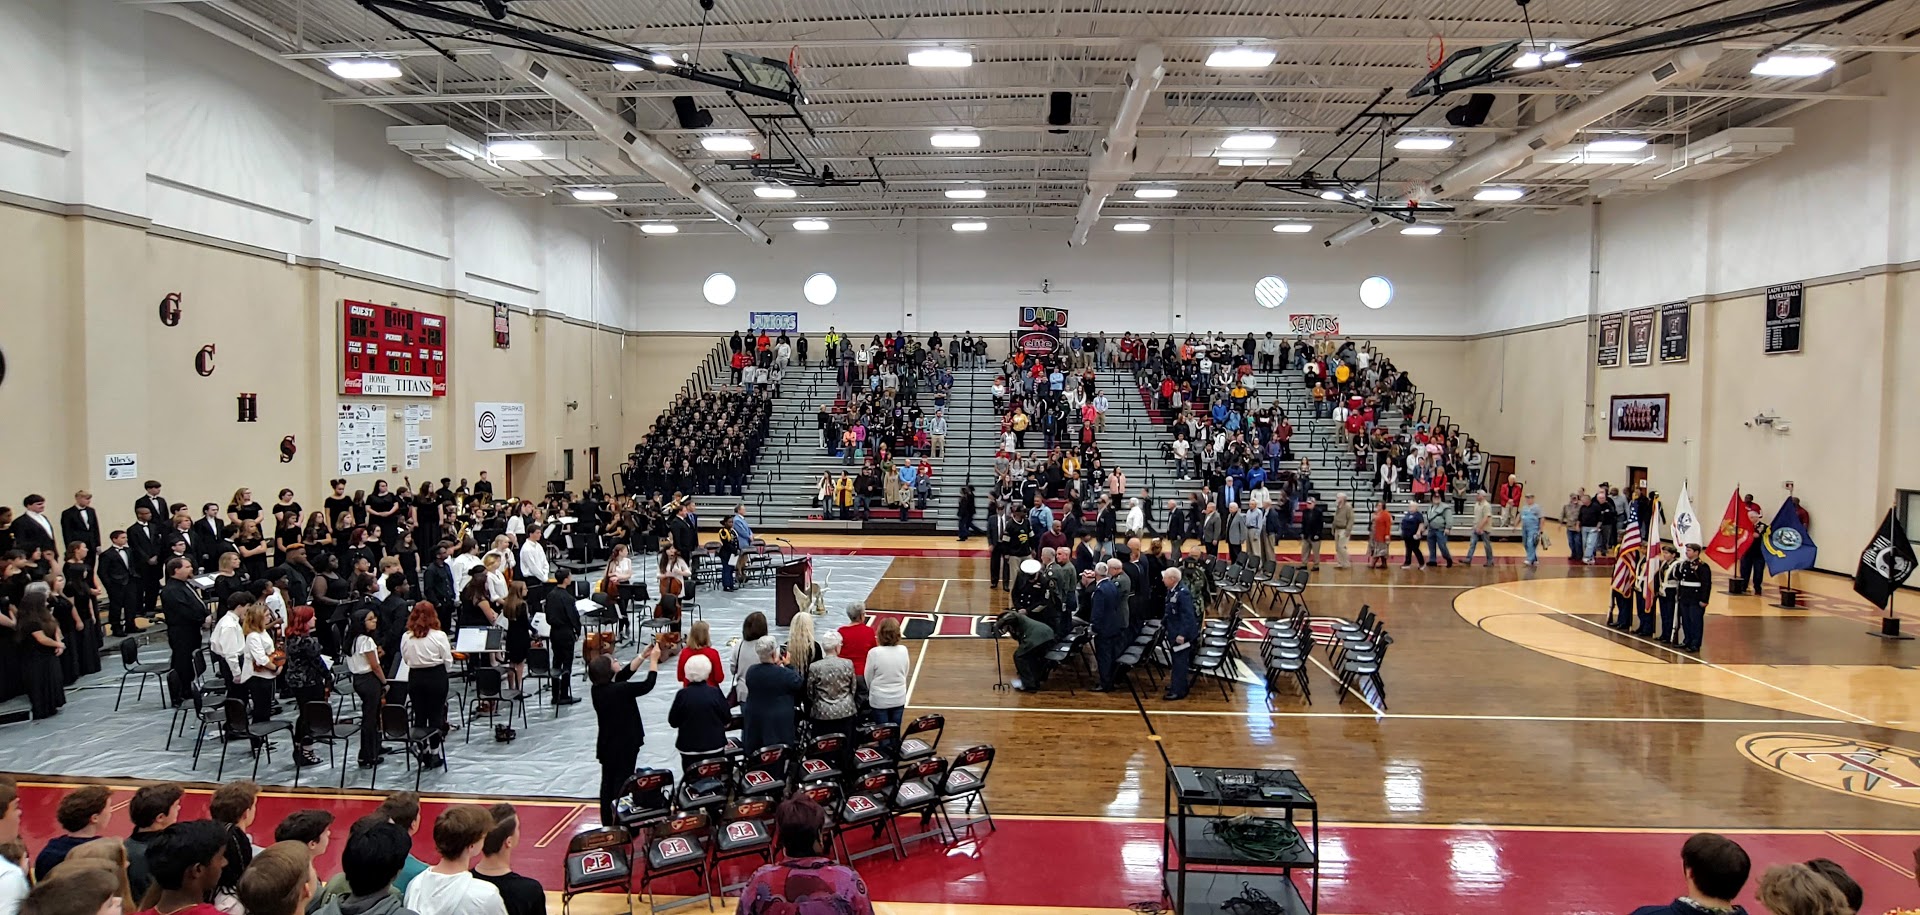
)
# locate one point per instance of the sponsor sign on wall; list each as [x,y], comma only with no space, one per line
[499,426]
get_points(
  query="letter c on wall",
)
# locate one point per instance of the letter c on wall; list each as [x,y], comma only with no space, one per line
[203,361]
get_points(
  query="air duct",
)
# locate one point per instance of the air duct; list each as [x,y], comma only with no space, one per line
[1508,154]
[652,158]
[1112,160]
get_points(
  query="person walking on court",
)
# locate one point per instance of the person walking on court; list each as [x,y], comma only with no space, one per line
[1109,625]
[1695,586]
[1181,629]
[1482,534]
[1530,530]
[1342,528]
[1439,519]
[1313,528]
[1413,526]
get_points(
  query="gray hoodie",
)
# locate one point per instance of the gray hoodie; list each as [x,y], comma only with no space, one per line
[385,902]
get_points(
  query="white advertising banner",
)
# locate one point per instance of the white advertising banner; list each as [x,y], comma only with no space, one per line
[499,426]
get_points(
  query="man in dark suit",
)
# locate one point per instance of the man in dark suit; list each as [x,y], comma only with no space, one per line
[186,617]
[155,503]
[436,583]
[80,522]
[207,535]
[1109,627]
[119,572]
[617,745]
[393,619]
[563,617]
[686,539]
[1181,629]
[33,534]
[144,540]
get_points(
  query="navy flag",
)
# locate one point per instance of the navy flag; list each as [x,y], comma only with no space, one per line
[1788,547]
[1885,563]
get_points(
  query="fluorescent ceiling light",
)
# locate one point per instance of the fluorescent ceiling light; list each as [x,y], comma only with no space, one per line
[1246,141]
[1155,193]
[665,60]
[1617,146]
[1420,230]
[810,225]
[659,228]
[1553,57]
[1423,143]
[1497,194]
[1792,65]
[1241,58]
[594,194]
[727,144]
[627,66]
[969,227]
[775,192]
[1331,194]
[1527,61]
[364,68]
[516,151]
[956,140]
[1292,228]
[970,193]
[947,58]
[1237,162]
[1131,226]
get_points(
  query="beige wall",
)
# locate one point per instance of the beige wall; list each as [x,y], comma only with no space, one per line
[90,370]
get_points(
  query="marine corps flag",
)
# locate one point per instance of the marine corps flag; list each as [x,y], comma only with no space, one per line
[1885,563]
[1788,546]
[1735,535]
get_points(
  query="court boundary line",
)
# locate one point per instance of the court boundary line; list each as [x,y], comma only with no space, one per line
[1323,584]
[915,680]
[1406,716]
[1859,719]
[565,821]
[1870,854]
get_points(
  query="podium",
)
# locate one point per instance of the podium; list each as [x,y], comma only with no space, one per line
[794,573]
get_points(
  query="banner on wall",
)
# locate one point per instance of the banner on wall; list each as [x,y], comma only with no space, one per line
[1314,325]
[1640,336]
[1785,309]
[1606,353]
[1676,331]
[502,326]
[499,426]
[1037,342]
[774,321]
[362,438]
[123,466]
[1043,316]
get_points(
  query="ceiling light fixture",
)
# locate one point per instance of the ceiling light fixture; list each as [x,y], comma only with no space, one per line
[659,228]
[1420,230]
[1424,143]
[594,194]
[956,140]
[969,227]
[1131,226]
[1527,61]
[941,58]
[1499,194]
[727,144]
[1246,141]
[364,68]
[628,66]
[1331,194]
[970,193]
[1241,58]
[1553,56]
[516,151]
[1792,65]
[1625,145]
[810,225]
[1292,228]
[775,192]
[665,60]
[1154,193]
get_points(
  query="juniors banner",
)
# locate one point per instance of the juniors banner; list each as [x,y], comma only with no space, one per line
[774,321]
[1314,325]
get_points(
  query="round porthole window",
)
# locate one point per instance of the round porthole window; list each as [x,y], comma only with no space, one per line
[1376,292]
[1270,292]
[719,289]
[820,289]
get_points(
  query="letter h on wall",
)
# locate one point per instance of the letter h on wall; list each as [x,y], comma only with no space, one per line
[249,408]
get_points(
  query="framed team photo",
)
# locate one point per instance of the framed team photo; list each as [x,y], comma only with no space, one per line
[1638,417]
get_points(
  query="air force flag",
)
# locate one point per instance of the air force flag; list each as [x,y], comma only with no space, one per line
[1788,546]
[1686,524]
[1885,563]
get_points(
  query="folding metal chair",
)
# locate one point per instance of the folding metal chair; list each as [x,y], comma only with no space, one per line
[743,831]
[867,803]
[677,846]
[918,792]
[913,742]
[966,780]
[132,666]
[598,859]
[706,785]
[257,734]
[764,772]
[645,799]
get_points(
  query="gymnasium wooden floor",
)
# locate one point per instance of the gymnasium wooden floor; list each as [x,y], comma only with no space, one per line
[1525,753]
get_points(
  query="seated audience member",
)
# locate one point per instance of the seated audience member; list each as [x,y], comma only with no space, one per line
[449,888]
[105,853]
[82,815]
[804,880]
[522,895]
[1796,889]
[279,881]
[774,691]
[700,714]
[830,688]
[153,808]
[370,865]
[13,879]
[314,828]
[185,862]
[234,806]
[857,638]
[1716,868]
[402,809]
[76,890]
[886,674]
[1841,881]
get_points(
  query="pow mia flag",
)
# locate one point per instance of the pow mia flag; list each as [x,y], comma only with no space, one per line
[1885,563]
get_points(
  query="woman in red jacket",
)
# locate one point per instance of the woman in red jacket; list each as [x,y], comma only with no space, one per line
[700,644]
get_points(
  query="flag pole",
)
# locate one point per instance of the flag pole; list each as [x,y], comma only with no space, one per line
[1890,624]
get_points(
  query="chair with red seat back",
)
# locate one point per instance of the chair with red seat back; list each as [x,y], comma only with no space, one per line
[966,780]
[743,831]
[825,759]
[868,803]
[598,859]
[919,792]
[679,845]
[764,772]
[914,742]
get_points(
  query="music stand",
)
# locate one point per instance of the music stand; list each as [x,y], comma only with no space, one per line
[999,672]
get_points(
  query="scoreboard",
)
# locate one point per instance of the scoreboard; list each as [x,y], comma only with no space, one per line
[391,351]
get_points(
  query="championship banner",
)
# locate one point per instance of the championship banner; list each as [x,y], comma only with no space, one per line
[1640,336]
[774,321]
[1885,564]
[1676,331]
[1314,325]
[1786,306]
[1607,353]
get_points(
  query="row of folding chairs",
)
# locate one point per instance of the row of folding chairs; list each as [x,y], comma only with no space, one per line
[1284,653]
[1356,654]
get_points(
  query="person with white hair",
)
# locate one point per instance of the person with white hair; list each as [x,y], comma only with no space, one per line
[699,715]
[774,691]
[830,688]
[1181,629]
[1136,522]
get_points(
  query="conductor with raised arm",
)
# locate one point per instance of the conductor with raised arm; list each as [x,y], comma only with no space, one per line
[618,744]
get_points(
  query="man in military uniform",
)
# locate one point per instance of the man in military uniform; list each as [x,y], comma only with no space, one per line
[1695,582]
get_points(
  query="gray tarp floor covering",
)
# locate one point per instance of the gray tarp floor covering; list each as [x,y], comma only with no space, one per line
[552,757]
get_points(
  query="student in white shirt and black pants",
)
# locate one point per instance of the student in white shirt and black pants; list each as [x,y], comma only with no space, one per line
[369,683]
[426,654]
[533,565]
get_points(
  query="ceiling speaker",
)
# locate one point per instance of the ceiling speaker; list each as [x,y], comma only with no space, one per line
[1473,113]
[1059,110]
[693,117]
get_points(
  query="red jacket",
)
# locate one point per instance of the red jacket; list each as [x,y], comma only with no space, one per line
[856,639]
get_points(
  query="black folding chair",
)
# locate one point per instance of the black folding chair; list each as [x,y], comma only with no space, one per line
[677,846]
[598,859]
[645,799]
[317,717]
[868,803]
[132,666]
[706,785]
[966,780]
[743,831]
[257,734]
[763,772]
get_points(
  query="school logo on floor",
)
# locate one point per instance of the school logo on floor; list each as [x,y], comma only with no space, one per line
[1863,768]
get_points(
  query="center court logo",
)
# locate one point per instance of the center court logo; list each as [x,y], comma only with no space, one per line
[1863,768]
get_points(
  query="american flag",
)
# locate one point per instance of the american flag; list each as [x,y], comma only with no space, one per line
[1627,564]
